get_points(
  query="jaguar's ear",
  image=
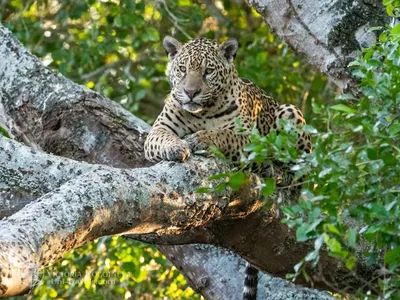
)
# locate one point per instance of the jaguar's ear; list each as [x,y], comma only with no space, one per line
[171,46]
[228,49]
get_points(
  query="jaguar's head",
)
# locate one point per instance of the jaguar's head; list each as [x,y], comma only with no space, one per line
[201,71]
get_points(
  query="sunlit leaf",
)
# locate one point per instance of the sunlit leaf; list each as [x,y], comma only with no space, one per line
[343,108]
[269,187]
[237,180]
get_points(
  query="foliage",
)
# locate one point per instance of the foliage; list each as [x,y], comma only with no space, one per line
[3,132]
[114,47]
[349,203]
[112,268]
[355,171]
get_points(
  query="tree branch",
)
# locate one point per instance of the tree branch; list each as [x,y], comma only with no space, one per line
[49,112]
[228,271]
[26,174]
[106,201]
[52,232]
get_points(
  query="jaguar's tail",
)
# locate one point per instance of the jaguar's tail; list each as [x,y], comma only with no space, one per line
[250,283]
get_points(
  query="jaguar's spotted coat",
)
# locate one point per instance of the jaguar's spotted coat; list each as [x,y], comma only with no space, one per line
[206,98]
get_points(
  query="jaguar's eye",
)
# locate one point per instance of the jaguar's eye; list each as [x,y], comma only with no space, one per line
[182,69]
[209,71]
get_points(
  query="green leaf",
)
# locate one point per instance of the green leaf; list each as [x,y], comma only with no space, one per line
[140,94]
[203,190]
[371,232]
[331,228]
[372,153]
[354,63]
[389,9]
[393,256]
[3,132]
[311,255]
[301,233]
[217,152]
[130,267]
[395,30]
[151,34]
[351,262]
[290,276]
[376,28]
[389,159]
[298,266]
[237,180]
[269,187]
[220,187]
[352,237]
[394,128]
[287,210]
[319,242]
[359,73]
[343,108]
[218,176]
[333,244]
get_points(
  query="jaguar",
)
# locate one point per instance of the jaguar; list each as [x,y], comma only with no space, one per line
[207,97]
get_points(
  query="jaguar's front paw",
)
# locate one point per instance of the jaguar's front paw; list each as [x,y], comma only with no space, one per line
[178,152]
[198,143]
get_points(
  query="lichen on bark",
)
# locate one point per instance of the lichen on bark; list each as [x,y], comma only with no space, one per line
[355,14]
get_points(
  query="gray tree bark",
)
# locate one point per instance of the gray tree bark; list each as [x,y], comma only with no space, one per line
[51,114]
[329,33]
[86,209]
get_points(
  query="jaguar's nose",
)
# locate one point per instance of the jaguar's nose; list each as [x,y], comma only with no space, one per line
[192,93]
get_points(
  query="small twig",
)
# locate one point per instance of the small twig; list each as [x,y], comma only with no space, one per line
[368,162]
[292,185]
[175,20]
[128,74]
[103,69]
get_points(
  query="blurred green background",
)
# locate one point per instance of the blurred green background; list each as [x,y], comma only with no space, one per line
[115,48]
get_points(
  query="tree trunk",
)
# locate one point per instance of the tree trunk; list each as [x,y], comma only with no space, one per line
[329,33]
[51,114]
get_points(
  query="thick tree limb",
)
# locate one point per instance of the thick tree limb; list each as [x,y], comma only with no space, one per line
[48,112]
[226,262]
[329,33]
[25,175]
[103,201]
